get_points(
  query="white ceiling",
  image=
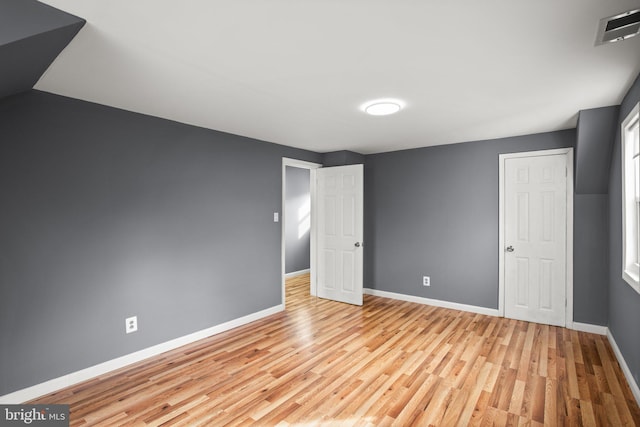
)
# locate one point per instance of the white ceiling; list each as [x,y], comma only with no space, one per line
[296,72]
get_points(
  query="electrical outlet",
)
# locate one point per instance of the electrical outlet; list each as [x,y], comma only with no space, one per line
[426,281]
[276,217]
[131,324]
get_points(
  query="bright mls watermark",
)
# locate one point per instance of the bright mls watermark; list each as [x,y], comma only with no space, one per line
[34,415]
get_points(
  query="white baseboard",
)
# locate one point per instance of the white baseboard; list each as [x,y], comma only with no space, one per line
[297,273]
[587,327]
[55,384]
[625,368]
[434,302]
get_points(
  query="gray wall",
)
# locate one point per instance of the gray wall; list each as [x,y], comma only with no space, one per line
[594,142]
[434,211]
[297,197]
[590,258]
[20,19]
[624,302]
[108,214]
[595,134]
[32,35]
[342,158]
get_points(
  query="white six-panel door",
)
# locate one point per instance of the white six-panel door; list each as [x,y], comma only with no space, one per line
[535,238]
[339,195]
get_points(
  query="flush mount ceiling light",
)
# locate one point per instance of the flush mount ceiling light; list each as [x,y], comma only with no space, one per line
[382,107]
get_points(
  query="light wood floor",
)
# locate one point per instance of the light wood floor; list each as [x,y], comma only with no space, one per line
[386,363]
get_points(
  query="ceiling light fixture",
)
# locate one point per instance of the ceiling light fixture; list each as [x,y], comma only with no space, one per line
[383,107]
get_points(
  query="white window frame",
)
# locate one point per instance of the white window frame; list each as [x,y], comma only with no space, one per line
[630,199]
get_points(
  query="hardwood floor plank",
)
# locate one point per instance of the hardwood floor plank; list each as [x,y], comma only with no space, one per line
[479,411]
[550,402]
[539,400]
[515,406]
[386,363]
[583,382]
[574,391]
[588,417]
[528,397]
[417,401]
[471,406]
[543,370]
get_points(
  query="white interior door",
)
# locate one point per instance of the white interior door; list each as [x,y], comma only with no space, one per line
[339,195]
[535,238]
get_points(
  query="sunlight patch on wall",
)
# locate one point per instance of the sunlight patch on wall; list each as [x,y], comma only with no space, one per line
[304,217]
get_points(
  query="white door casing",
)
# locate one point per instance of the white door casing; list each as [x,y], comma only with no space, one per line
[536,204]
[339,222]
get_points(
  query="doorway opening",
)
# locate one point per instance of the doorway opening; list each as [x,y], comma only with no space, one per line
[298,237]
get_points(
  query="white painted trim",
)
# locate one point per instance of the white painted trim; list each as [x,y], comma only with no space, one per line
[433,302]
[313,277]
[297,273]
[629,272]
[501,248]
[588,327]
[625,368]
[570,188]
[73,378]
[302,165]
[569,230]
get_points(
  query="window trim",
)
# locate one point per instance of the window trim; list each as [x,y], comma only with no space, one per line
[630,269]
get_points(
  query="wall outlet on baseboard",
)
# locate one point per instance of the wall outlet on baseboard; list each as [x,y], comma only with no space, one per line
[131,324]
[426,281]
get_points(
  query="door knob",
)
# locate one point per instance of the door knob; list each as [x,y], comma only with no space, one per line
[510,249]
[357,244]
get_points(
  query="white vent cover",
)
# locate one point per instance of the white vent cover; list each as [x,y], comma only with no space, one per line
[618,27]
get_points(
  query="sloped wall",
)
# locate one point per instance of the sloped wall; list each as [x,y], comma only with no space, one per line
[32,35]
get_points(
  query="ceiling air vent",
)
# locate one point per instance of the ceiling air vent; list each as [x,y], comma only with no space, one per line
[618,27]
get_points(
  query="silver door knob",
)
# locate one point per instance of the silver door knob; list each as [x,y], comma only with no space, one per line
[510,249]
[357,244]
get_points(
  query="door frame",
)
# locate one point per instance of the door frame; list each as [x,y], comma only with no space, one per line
[568,152]
[302,164]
